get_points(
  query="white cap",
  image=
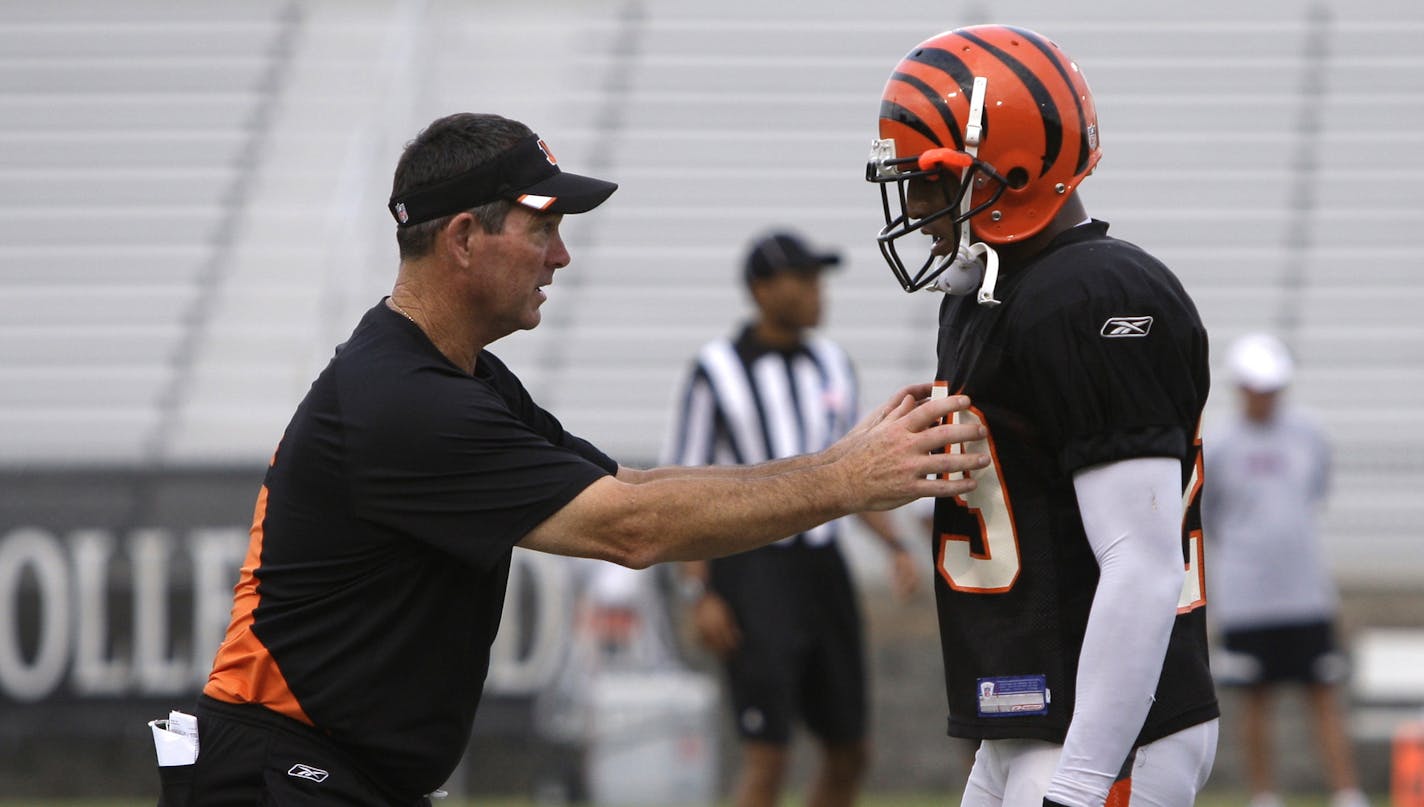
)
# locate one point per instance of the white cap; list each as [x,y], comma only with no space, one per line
[1260,362]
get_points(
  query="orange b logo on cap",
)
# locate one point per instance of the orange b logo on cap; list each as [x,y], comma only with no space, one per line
[548,155]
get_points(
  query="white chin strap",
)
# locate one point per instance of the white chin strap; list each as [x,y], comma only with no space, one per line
[966,272]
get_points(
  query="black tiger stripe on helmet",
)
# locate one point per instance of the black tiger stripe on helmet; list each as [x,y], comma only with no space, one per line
[1059,60]
[1037,107]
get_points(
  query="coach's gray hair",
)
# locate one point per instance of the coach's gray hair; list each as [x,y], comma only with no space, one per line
[449,146]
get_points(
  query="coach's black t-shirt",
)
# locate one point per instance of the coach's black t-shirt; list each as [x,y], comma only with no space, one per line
[1096,354]
[381,544]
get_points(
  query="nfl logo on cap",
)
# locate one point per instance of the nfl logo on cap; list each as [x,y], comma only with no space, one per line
[401,214]
[548,155]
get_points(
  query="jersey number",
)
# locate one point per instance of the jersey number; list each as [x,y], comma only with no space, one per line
[995,567]
[1193,594]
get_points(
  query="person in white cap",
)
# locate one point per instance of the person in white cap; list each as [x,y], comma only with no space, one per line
[1267,474]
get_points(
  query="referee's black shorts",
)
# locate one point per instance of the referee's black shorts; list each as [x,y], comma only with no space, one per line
[251,756]
[1304,653]
[802,655]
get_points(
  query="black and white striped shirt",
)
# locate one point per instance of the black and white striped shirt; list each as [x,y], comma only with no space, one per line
[745,402]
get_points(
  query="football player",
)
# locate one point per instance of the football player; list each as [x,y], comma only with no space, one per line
[1068,584]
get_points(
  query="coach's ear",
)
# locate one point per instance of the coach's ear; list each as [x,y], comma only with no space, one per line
[459,238]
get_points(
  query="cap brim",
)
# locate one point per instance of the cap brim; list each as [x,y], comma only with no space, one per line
[565,193]
[818,264]
[1264,381]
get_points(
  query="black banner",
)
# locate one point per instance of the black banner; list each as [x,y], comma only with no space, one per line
[115,590]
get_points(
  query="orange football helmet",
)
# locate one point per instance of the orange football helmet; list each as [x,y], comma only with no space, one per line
[1009,112]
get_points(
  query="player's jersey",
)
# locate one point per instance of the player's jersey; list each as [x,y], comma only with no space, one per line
[1096,354]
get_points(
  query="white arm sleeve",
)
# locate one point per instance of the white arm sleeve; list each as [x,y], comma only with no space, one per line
[1132,513]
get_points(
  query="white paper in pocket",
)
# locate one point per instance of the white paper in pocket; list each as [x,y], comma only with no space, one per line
[178,747]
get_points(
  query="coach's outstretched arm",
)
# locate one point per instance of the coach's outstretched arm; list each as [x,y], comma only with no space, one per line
[883,463]
[917,392]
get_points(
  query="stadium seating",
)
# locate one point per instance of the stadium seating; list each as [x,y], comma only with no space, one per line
[124,129]
[193,202]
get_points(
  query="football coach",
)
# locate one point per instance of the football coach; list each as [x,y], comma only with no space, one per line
[380,545]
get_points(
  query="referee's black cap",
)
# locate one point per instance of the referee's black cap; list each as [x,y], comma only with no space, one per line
[784,251]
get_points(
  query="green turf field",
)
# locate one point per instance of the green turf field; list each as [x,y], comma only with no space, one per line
[1209,799]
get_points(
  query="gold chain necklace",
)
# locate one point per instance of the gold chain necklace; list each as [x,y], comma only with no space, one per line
[392,302]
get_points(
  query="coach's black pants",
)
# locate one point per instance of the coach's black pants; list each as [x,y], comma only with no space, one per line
[249,756]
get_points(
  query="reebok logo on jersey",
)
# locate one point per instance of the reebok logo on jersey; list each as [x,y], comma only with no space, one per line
[1119,327]
[308,772]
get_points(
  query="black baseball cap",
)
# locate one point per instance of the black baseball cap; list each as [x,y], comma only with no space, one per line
[780,252]
[526,173]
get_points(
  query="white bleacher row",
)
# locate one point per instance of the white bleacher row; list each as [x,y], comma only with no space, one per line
[1221,149]
[122,130]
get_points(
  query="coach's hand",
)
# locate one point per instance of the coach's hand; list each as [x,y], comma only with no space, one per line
[917,392]
[887,460]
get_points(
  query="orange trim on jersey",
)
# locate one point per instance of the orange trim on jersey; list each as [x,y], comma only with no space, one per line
[1195,540]
[1192,496]
[1198,559]
[936,394]
[244,671]
[978,513]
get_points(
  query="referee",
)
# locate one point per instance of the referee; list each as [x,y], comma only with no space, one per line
[783,618]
